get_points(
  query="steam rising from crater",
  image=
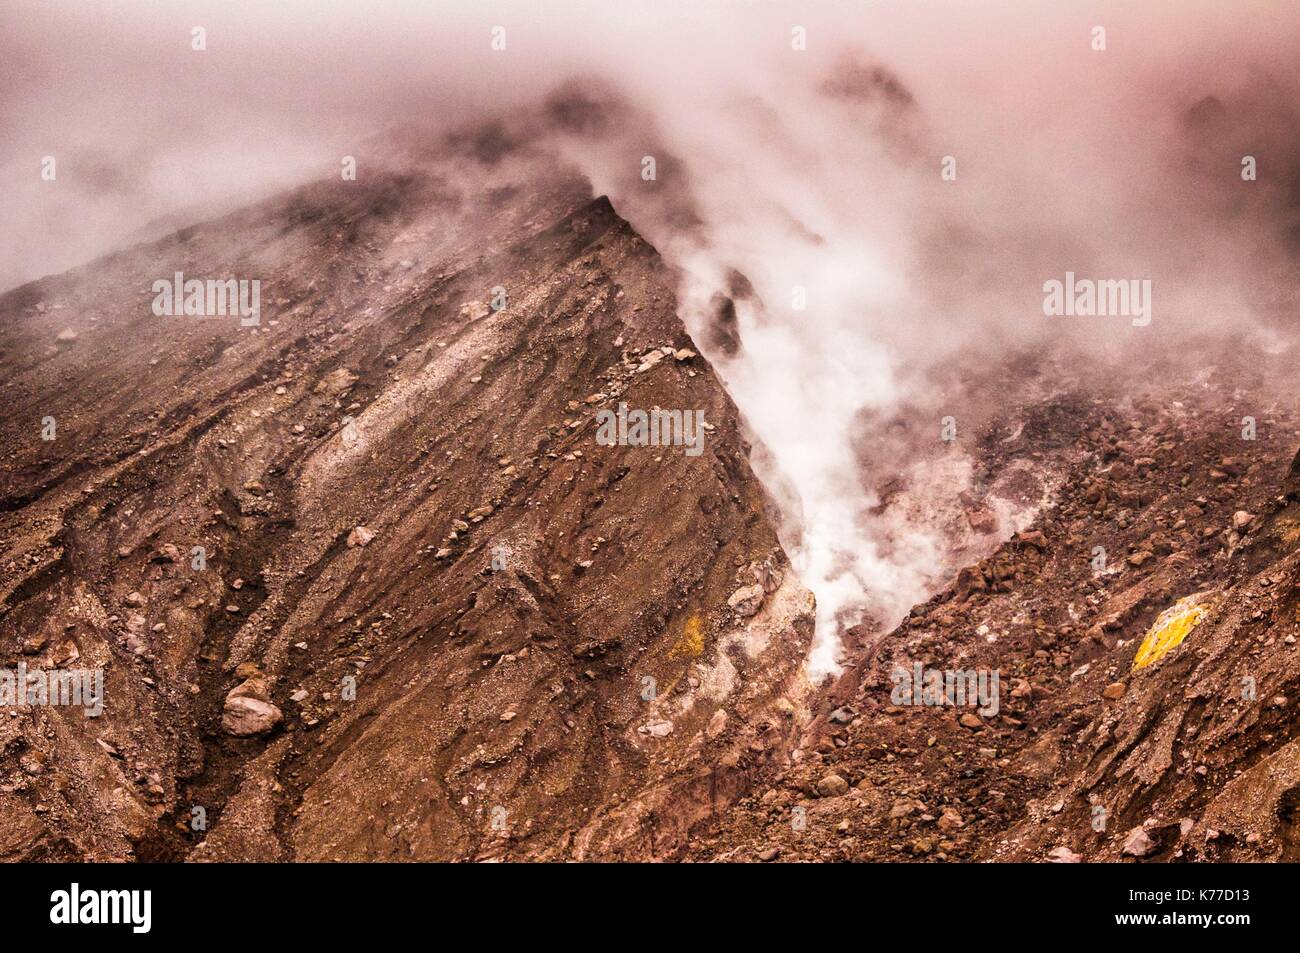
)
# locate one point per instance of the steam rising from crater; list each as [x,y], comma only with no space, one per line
[805,184]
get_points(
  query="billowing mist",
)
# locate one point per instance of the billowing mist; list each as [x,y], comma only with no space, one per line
[861,198]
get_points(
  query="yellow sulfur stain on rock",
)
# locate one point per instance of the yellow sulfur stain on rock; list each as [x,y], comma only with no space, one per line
[1169,630]
[691,642]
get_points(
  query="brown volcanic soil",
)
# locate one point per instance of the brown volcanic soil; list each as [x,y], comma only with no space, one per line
[1181,756]
[521,585]
[518,588]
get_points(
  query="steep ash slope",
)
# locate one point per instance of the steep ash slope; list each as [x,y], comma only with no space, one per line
[398,491]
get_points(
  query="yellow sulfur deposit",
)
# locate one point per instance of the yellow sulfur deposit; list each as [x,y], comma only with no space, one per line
[691,643]
[1169,630]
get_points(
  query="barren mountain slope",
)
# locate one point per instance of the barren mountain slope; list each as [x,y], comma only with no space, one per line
[365,585]
[537,627]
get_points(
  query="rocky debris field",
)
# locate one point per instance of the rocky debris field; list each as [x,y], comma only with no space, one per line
[1085,756]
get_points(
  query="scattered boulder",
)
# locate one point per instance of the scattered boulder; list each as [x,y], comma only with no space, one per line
[336,381]
[950,820]
[649,361]
[360,536]
[248,709]
[717,723]
[746,600]
[832,785]
[1138,843]
[657,729]
[244,717]
[1035,539]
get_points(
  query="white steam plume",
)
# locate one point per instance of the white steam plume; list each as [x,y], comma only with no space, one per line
[816,169]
